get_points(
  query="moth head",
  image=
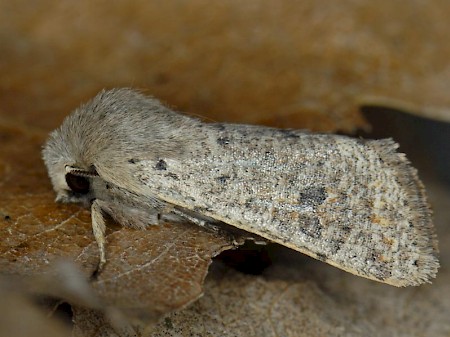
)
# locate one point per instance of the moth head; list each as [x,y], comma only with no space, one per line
[104,134]
[70,171]
[75,185]
[71,181]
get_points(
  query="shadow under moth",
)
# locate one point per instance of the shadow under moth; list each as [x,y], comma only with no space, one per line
[355,204]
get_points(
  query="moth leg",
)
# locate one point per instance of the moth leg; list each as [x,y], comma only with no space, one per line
[238,236]
[200,222]
[99,228]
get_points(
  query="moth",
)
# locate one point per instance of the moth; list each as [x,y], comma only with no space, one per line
[355,204]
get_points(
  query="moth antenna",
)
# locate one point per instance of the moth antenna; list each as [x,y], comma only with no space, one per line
[80,172]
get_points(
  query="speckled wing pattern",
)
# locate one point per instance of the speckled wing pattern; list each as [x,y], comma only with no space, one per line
[355,204]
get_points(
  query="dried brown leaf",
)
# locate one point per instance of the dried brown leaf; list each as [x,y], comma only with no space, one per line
[154,271]
[33,230]
[149,272]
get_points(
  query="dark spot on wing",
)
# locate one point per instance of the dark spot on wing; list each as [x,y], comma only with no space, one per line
[133,161]
[310,226]
[321,257]
[313,196]
[223,141]
[161,165]
[172,175]
[336,245]
[7,217]
[346,229]
[380,270]
[249,202]
[222,179]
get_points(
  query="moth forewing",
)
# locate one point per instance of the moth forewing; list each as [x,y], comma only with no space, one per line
[357,205]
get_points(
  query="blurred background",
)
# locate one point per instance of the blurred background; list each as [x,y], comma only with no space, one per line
[308,64]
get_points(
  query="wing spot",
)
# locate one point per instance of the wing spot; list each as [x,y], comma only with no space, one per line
[161,165]
[223,141]
[310,226]
[321,257]
[313,196]
[222,179]
[172,175]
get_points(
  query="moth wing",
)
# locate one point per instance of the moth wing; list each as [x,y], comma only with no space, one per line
[357,205]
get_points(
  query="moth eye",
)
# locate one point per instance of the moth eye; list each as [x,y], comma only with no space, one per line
[77,184]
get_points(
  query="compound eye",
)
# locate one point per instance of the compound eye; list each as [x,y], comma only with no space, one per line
[77,184]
